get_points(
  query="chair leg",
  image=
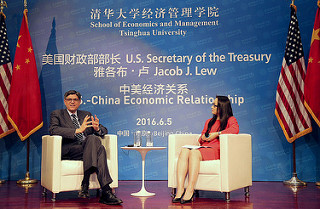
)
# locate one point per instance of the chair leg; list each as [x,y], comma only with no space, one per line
[227,195]
[44,193]
[53,197]
[246,192]
[173,192]
[196,193]
[98,193]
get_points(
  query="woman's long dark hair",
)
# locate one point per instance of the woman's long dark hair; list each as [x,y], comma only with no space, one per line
[225,112]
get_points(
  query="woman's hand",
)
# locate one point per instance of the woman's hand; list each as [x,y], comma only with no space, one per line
[204,138]
[212,136]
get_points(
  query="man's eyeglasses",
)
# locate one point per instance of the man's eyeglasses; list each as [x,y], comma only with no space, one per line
[215,105]
[70,100]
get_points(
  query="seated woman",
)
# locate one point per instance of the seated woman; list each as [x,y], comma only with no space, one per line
[222,122]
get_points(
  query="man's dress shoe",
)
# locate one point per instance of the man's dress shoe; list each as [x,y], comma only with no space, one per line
[84,192]
[109,198]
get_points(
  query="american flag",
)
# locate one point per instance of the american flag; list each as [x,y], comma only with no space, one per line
[290,110]
[5,79]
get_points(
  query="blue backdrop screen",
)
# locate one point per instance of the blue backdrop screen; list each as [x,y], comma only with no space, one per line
[157,66]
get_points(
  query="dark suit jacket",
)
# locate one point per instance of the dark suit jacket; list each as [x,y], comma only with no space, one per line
[61,124]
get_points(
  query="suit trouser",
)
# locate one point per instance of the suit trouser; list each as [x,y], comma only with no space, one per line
[94,155]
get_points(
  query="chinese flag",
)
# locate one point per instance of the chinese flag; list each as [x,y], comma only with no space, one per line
[312,80]
[25,113]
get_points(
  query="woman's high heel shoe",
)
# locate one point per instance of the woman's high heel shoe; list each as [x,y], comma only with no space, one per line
[182,201]
[176,200]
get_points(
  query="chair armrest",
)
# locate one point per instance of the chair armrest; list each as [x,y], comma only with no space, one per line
[175,142]
[235,161]
[110,142]
[51,160]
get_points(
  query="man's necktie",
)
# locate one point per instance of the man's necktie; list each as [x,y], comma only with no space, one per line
[76,124]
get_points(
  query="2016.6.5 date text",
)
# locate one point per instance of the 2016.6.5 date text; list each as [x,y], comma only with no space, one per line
[154,122]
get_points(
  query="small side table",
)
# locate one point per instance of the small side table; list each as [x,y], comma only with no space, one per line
[143,151]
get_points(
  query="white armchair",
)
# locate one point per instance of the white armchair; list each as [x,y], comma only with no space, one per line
[66,175]
[231,172]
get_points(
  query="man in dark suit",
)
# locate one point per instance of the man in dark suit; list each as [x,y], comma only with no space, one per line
[80,132]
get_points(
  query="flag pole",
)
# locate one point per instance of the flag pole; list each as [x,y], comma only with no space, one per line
[2,5]
[27,179]
[294,181]
[318,182]
[292,135]
[292,5]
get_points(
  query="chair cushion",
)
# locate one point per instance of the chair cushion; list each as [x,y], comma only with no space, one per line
[210,167]
[71,167]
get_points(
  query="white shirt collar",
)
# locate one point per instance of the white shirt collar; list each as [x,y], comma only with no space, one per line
[72,113]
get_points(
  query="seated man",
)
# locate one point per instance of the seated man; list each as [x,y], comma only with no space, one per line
[80,141]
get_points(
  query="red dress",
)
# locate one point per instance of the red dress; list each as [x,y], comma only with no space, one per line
[213,153]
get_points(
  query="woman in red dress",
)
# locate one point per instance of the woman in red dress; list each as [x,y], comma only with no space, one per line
[222,122]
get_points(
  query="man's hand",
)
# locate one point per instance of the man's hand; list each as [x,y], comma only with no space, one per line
[84,125]
[95,123]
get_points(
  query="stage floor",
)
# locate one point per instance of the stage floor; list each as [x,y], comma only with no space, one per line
[262,195]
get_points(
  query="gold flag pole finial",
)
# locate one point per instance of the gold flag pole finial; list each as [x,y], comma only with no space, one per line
[2,5]
[25,4]
[294,6]
[318,3]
